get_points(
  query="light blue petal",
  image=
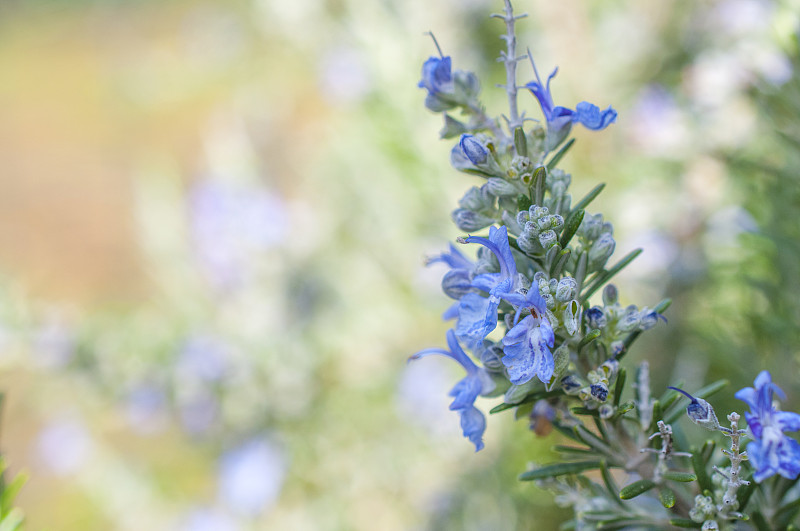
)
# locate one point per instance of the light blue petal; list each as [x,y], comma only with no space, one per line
[458,353]
[539,340]
[787,421]
[749,396]
[451,312]
[520,363]
[592,118]
[473,424]
[465,392]
[789,458]
[477,316]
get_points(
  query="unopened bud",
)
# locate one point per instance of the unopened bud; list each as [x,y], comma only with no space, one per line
[610,295]
[700,411]
[595,317]
[473,150]
[567,289]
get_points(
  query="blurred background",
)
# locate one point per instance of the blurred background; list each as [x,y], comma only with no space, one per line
[214,217]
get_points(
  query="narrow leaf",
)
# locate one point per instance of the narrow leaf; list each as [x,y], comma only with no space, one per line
[635,489]
[588,198]
[571,226]
[699,466]
[667,498]
[609,274]
[588,338]
[561,152]
[520,142]
[620,385]
[559,469]
[685,523]
[683,477]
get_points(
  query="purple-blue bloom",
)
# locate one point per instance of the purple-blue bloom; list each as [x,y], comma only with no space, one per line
[560,119]
[526,347]
[436,75]
[477,315]
[772,452]
[464,393]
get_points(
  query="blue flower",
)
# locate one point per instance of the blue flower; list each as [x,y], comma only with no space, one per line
[477,315]
[458,281]
[560,119]
[527,345]
[464,393]
[772,452]
[437,76]
[473,150]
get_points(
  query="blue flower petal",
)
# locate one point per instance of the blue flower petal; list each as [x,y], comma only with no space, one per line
[592,118]
[473,424]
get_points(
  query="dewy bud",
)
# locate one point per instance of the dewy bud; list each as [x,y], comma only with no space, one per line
[610,295]
[602,249]
[456,283]
[469,221]
[548,238]
[700,411]
[595,317]
[501,187]
[567,289]
[571,317]
[474,150]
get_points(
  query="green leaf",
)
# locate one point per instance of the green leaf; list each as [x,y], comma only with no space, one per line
[573,450]
[13,520]
[787,513]
[667,498]
[588,198]
[685,523]
[571,225]
[588,338]
[699,466]
[560,469]
[620,385]
[635,489]
[523,202]
[561,152]
[609,274]
[560,262]
[683,477]
[520,142]
[760,522]
[585,411]
[624,408]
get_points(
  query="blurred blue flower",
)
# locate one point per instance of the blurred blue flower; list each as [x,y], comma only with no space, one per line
[771,452]
[560,119]
[437,76]
[202,358]
[231,225]
[251,477]
[145,409]
[64,446]
[198,411]
[204,519]
[526,347]
[464,393]
[477,315]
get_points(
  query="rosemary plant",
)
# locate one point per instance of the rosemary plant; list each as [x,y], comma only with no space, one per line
[522,309]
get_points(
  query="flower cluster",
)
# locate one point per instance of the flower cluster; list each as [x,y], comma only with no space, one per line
[772,452]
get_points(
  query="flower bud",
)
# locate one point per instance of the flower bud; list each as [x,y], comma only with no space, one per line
[599,391]
[571,317]
[617,347]
[456,283]
[571,385]
[491,356]
[602,249]
[567,289]
[466,86]
[595,317]
[517,393]
[501,187]
[610,295]
[469,221]
[629,322]
[700,411]
[521,166]
[473,150]
[606,411]
[548,239]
